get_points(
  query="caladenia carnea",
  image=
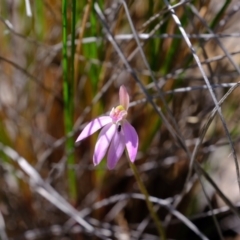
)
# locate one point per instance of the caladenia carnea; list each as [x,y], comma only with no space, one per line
[116,134]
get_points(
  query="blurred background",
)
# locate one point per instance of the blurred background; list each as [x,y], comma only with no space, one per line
[61,65]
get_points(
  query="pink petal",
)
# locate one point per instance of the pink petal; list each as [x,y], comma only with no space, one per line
[116,149]
[131,140]
[93,126]
[124,97]
[103,142]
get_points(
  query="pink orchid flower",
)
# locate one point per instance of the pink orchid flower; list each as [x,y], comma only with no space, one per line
[116,134]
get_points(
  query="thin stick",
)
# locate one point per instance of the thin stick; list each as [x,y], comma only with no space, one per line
[79,43]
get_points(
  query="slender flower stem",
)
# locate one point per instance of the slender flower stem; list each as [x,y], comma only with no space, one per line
[150,207]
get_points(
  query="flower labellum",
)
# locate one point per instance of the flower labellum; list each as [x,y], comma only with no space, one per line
[116,134]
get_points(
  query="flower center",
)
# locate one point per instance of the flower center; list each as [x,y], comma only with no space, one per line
[118,114]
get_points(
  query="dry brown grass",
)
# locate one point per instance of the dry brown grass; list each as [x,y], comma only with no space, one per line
[36,200]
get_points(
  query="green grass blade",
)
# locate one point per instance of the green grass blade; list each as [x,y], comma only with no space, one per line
[68,100]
